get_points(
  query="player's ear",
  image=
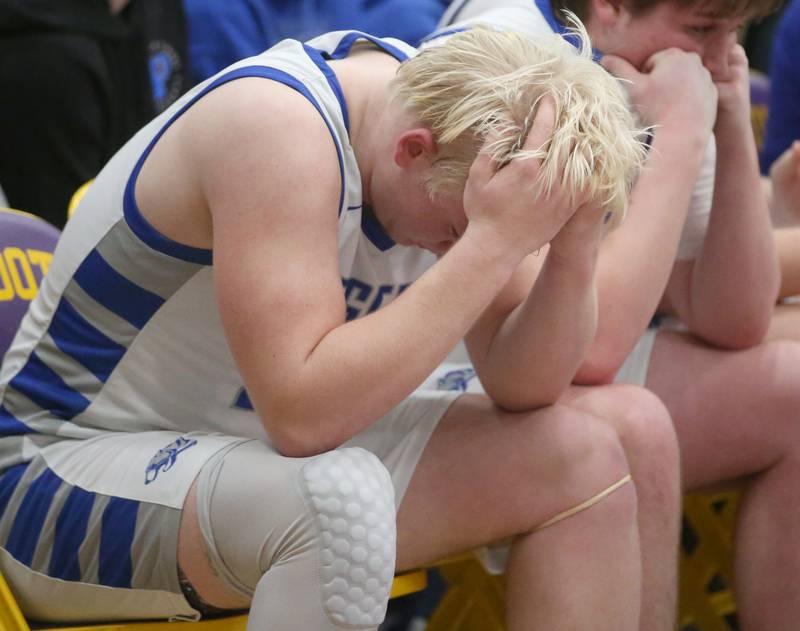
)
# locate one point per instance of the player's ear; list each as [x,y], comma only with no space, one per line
[605,12]
[414,145]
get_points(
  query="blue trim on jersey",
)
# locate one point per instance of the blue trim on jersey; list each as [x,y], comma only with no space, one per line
[116,538]
[455,11]
[374,232]
[316,56]
[10,425]
[142,228]
[152,237]
[8,484]
[444,33]
[28,523]
[73,334]
[45,387]
[346,43]
[115,292]
[546,9]
[71,526]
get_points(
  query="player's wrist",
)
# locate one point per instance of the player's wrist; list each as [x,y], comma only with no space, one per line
[490,246]
[733,113]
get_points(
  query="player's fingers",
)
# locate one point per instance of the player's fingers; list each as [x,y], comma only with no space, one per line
[620,68]
[544,123]
[483,167]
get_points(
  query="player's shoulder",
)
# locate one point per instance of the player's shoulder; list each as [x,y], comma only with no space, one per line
[252,105]
[263,123]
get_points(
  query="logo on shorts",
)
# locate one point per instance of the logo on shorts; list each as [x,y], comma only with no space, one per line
[456,379]
[166,457]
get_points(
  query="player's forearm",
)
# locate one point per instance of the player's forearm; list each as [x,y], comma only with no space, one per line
[635,260]
[735,278]
[534,353]
[360,370]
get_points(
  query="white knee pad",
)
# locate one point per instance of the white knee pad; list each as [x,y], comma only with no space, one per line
[316,529]
[353,500]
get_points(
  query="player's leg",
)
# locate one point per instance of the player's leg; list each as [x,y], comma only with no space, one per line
[487,475]
[484,476]
[737,416]
[304,543]
[648,436]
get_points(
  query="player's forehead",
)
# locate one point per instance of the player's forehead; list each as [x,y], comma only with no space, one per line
[727,11]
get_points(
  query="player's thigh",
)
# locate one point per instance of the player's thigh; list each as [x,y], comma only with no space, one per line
[487,474]
[735,412]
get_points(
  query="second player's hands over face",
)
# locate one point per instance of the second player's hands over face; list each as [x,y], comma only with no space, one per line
[672,88]
[507,207]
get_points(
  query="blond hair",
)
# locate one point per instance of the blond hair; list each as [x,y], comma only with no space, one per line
[483,83]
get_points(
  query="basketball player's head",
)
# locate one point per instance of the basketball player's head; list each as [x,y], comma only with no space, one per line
[483,83]
[637,29]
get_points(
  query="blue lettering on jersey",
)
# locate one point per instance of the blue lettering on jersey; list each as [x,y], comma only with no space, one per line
[456,380]
[166,457]
[362,298]
[242,400]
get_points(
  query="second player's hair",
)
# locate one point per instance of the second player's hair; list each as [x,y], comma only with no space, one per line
[487,83]
[749,9]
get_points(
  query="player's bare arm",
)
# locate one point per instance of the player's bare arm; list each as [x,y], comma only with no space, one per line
[673,93]
[315,379]
[726,295]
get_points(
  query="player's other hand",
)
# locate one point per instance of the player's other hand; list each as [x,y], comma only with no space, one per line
[672,88]
[785,177]
[731,75]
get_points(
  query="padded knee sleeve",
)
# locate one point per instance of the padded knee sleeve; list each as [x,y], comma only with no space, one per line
[352,497]
[311,540]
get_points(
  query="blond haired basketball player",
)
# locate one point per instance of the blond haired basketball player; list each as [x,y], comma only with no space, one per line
[211,404]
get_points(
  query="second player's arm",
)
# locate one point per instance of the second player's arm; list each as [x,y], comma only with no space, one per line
[727,295]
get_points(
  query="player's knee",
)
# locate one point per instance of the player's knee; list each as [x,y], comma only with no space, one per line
[598,477]
[645,425]
[351,497]
[331,517]
[592,460]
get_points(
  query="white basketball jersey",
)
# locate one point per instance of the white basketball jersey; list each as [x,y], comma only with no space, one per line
[125,335]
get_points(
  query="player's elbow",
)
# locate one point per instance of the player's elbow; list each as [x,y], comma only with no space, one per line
[525,399]
[738,337]
[595,373]
[295,442]
[600,366]
[295,432]
[748,337]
